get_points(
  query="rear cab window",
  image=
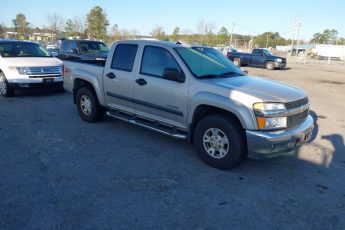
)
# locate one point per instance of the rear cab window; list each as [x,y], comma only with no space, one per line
[124,57]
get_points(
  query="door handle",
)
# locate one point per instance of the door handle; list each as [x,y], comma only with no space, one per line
[111,75]
[141,81]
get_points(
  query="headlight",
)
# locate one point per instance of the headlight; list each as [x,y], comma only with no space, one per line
[21,70]
[272,122]
[268,115]
[279,60]
[268,109]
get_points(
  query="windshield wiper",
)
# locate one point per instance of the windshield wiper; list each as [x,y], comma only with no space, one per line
[224,75]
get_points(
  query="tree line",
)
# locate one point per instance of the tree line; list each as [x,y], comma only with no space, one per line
[96,25]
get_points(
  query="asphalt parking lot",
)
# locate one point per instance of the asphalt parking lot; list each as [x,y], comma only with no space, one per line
[58,172]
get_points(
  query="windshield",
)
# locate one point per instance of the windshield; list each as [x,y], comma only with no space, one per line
[22,49]
[93,47]
[207,62]
[268,53]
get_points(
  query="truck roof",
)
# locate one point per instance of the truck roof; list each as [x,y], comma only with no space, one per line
[153,42]
[79,40]
[15,41]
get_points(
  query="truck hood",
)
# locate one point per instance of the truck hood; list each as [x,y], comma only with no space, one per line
[262,89]
[32,61]
[272,57]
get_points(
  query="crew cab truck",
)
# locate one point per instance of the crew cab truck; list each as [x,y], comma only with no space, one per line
[26,64]
[258,58]
[192,93]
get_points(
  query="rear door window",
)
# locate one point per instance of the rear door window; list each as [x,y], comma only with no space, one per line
[124,56]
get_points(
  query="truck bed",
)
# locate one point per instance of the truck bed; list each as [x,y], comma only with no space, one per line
[91,62]
[91,69]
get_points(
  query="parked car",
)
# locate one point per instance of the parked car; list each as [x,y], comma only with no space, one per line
[258,58]
[83,49]
[26,64]
[192,93]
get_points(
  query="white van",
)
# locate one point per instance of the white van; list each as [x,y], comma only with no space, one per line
[26,64]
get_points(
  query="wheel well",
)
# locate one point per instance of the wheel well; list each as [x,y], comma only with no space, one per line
[205,110]
[78,83]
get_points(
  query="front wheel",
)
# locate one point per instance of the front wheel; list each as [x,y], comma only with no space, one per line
[220,141]
[237,62]
[88,106]
[5,89]
[270,65]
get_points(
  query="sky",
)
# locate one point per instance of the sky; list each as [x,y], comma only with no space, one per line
[250,17]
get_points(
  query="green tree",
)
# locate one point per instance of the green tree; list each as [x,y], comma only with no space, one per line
[175,34]
[341,41]
[97,23]
[21,26]
[2,30]
[70,28]
[328,36]
[223,36]
[269,39]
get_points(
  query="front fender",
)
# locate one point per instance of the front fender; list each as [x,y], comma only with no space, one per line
[244,115]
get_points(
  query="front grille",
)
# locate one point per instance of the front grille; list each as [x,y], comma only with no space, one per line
[57,70]
[296,119]
[296,104]
[283,60]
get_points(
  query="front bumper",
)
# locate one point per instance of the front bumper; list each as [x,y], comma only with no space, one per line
[274,143]
[23,83]
[280,65]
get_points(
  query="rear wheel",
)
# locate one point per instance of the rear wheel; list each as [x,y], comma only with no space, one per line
[220,142]
[5,89]
[237,62]
[270,65]
[88,106]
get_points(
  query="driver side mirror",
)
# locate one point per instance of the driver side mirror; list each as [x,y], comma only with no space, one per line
[174,74]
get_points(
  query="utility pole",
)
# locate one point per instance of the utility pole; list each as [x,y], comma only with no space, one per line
[298,30]
[293,34]
[232,31]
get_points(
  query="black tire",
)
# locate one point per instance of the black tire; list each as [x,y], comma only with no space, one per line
[234,132]
[5,89]
[237,62]
[270,65]
[94,111]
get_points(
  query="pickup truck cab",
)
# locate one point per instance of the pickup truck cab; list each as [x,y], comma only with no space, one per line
[83,50]
[26,64]
[192,93]
[258,58]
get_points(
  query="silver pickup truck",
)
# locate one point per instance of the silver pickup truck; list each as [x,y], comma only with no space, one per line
[193,93]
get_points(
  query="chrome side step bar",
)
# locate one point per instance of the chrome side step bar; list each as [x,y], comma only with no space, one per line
[160,128]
